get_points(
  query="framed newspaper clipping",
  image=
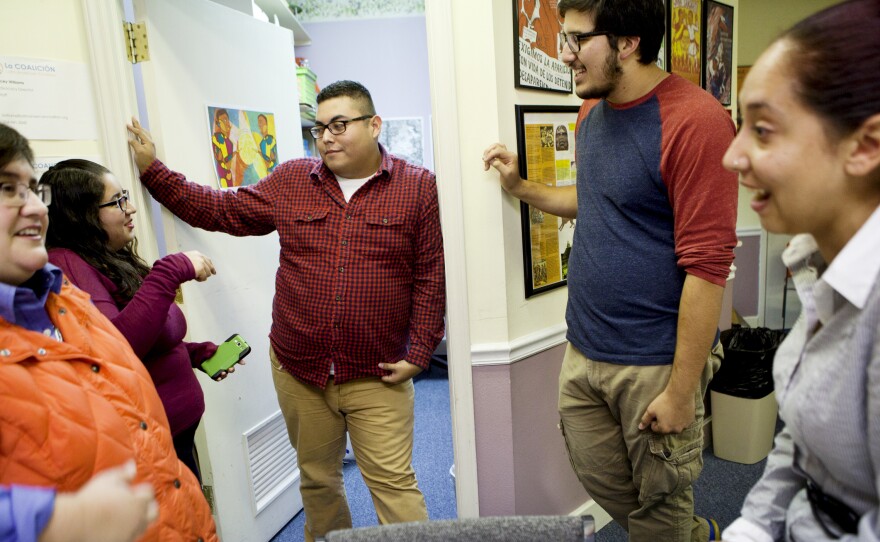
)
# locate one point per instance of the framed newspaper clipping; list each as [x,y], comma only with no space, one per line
[545,145]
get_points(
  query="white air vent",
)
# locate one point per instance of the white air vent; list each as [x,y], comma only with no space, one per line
[271,460]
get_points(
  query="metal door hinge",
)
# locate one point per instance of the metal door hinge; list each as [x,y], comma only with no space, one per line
[137,45]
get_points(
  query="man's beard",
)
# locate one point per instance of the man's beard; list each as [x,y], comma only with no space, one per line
[612,72]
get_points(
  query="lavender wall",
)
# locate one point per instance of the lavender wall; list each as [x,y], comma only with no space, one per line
[389,56]
[522,465]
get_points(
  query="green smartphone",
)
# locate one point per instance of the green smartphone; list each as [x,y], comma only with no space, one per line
[233,350]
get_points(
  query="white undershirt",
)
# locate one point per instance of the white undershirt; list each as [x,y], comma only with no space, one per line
[350,186]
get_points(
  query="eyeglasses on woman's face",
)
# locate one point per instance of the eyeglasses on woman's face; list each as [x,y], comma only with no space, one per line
[121,202]
[336,127]
[16,194]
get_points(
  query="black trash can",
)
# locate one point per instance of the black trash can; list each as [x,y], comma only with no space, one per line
[741,395]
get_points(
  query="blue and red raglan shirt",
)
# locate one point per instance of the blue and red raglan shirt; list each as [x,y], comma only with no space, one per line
[654,204]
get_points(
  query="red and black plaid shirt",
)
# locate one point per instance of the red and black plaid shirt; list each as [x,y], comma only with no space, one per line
[360,283]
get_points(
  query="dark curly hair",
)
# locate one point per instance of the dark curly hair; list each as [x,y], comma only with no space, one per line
[77,190]
[643,18]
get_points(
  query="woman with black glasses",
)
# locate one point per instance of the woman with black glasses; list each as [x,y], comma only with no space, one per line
[809,149]
[92,240]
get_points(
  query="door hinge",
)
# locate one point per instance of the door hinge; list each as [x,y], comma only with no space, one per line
[137,45]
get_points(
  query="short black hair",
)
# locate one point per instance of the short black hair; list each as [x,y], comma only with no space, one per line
[13,147]
[643,18]
[349,89]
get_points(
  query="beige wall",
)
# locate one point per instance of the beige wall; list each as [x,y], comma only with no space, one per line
[760,22]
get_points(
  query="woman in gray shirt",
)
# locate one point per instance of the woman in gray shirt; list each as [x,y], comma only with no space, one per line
[809,149]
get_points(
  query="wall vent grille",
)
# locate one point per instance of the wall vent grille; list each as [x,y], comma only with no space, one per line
[271,460]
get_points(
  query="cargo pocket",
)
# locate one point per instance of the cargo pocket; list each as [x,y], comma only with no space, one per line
[673,463]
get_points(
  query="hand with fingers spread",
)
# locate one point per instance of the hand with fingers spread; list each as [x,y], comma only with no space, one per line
[141,145]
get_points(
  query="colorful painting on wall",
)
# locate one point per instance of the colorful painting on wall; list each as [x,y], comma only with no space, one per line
[719,50]
[243,145]
[685,49]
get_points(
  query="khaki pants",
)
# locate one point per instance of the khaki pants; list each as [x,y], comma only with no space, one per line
[379,419]
[644,480]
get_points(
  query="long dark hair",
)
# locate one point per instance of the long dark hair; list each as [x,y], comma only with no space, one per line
[835,61]
[77,190]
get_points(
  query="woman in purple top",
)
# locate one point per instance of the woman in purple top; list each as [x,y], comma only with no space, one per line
[92,240]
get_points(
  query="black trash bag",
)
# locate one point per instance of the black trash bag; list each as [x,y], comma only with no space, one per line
[747,369]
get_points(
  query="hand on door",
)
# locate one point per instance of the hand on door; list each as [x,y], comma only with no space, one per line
[141,145]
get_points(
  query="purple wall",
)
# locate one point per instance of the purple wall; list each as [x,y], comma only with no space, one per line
[389,56]
[522,465]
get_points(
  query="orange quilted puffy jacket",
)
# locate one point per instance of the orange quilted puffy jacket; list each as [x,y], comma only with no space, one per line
[71,409]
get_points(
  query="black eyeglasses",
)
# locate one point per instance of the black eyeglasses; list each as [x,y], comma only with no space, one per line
[336,127]
[574,40]
[121,202]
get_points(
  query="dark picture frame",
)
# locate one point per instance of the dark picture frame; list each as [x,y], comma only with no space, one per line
[684,53]
[662,61]
[718,51]
[545,145]
[536,48]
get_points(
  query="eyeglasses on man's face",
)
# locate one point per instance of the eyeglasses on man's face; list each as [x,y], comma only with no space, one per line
[336,127]
[574,40]
[121,202]
[16,194]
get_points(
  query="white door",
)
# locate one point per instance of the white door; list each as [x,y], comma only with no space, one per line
[201,54]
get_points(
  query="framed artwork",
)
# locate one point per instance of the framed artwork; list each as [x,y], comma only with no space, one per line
[718,67]
[684,54]
[545,144]
[243,146]
[404,137]
[537,47]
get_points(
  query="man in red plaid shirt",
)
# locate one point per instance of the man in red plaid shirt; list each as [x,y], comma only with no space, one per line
[359,297]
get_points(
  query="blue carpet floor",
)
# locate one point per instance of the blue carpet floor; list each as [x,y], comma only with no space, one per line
[719,492]
[432,459]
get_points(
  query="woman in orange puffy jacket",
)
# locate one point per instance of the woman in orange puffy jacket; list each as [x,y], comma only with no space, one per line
[76,398]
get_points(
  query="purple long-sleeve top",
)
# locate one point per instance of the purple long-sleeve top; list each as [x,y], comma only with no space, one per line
[154,326]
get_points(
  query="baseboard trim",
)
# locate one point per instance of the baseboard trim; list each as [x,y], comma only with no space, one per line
[592,508]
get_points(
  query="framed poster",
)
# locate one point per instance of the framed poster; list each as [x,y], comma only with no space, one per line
[545,144]
[404,137]
[685,39]
[664,44]
[718,73]
[537,47]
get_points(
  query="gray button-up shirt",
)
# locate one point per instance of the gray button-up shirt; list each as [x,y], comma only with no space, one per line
[827,378]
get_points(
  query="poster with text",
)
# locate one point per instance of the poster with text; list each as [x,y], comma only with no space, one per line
[686,38]
[243,145]
[537,47]
[47,99]
[545,142]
